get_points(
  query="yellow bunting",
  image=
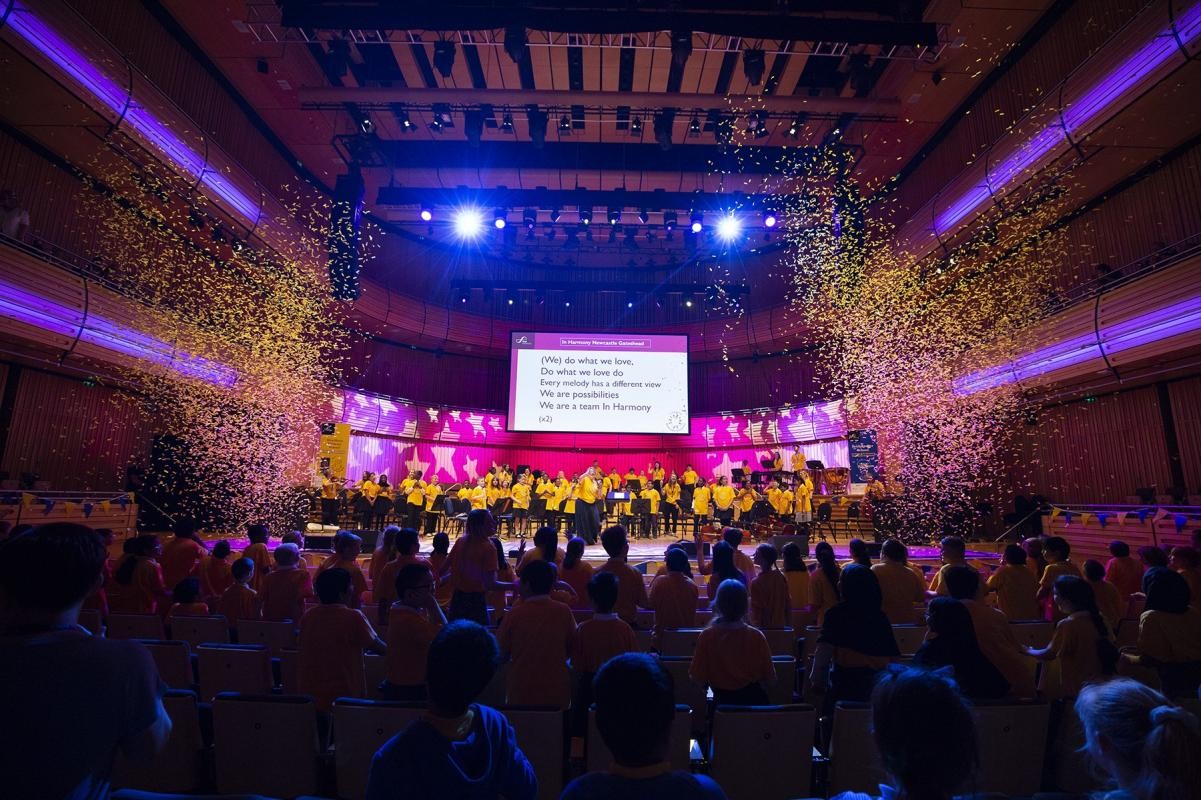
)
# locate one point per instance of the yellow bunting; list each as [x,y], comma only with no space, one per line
[27,499]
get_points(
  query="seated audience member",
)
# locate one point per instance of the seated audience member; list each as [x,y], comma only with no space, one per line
[407,542]
[457,748]
[537,637]
[286,587]
[239,601]
[796,572]
[70,700]
[1149,556]
[414,621]
[1147,745]
[742,562]
[546,547]
[1016,586]
[185,600]
[952,643]
[1109,598]
[856,640]
[823,581]
[770,607]
[1186,560]
[954,554]
[1058,563]
[439,554]
[597,640]
[506,576]
[635,709]
[137,586]
[293,537]
[472,568]
[183,553]
[925,735]
[333,636]
[1124,571]
[673,595]
[215,576]
[993,633]
[859,555]
[722,568]
[258,553]
[1082,645]
[347,547]
[631,592]
[1169,633]
[902,588]
[731,657]
[97,600]
[1036,562]
[576,572]
[384,552]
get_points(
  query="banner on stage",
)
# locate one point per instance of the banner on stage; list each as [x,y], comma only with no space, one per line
[864,455]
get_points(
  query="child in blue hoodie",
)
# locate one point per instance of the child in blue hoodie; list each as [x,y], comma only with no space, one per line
[458,748]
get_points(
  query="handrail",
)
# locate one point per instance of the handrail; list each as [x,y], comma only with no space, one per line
[1018,524]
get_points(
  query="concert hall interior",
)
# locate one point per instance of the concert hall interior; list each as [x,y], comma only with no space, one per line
[600,398]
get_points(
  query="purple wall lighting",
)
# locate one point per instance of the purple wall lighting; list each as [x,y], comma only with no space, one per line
[1155,326]
[37,311]
[85,75]
[1078,114]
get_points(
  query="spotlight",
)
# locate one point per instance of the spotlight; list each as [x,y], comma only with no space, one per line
[567,303]
[753,63]
[367,126]
[687,302]
[670,220]
[402,117]
[697,220]
[218,234]
[694,127]
[798,122]
[237,245]
[469,223]
[614,216]
[498,218]
[636,126]
[444,57]
[728,228]
[756,124]
[510,297]
[506,123]
[643,216]
[585,216]
[769,219]
[631,299]
[554,214]
[427,212]
[530,218]
[564,125]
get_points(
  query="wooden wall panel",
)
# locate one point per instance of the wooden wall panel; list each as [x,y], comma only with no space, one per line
[1186,413]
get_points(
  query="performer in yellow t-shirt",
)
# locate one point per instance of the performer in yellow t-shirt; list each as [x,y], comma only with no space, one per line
[433,504]
[804,498]
[479,495]
[798,459]
[671,503]
[723,501]
[746,501]
[658,476]
[700,504]
[651,520]
[521,504]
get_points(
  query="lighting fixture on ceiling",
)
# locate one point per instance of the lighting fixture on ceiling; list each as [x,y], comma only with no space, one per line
[469,223]
[643,216]
[530,218]
[506,123]
[697,221]
[769,219]
[585,216]
[636,126]
[499,218]
[565,125]
[728,228]
[614,216]
[694,127]
[554,214]
[753,64]
[427,212]
[670,220]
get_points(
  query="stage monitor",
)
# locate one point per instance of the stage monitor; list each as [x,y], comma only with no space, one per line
[598,383]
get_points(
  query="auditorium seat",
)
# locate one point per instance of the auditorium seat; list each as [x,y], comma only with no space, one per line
[89,618]
[783,641]
[174,662]
[360,728]
[1127,633]
[200,630]
[1033,634]
[178,767]
[854,762]
[581,615]
[679,642]
[374,670]
[762,751]
[781,692]
[909,638]
[646,642]
[1013,739]
[494,693]
[276,636]
[644,619]
[289,671]
[679,746]
[265,744]
[704,616]
[135,626]
[540,735]
[802,618]
[1070,769]
[688,692]
[242,668]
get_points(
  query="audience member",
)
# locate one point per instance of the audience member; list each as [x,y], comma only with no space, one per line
[597,640]
[1124,571]
[722,569]
[859,555]
[98,599]
[1058,563]
[472,567]
[257,552]
[537,637]
[953,551]
[902,589]
[952,643]
[384,552]
[1186,560]
[731,657]
[185,600]
[239,601]
[1016,586]
[137,586]
[1081,646]
[347,547]
[506,576]
[924,733]
[576,572]
[1169,633]
[293,537]
[70,700]
[1036,561]
[770,607]
[1147,745]
[439,554]
[1149,556]
[333,636]
[635,709]
[546,547]
[457,748]
[1109,598]
[742,562]
[287,587]
[673,595]
[407,545]
[183,553]
[856,640]
[414,621]
[14,220]
[631,592]
[215,576]
[796,572]
[823,584]
[993,632]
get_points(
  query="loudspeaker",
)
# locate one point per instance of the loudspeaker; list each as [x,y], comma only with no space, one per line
[873,548]
[369,539]
[318,542]
[690,548]
[802,541]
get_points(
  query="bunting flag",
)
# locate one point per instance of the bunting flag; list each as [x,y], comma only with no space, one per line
[132,499]
[1085,518]
[122,501]
[1143,513]
[49,505]
[1067,518]
[1160,514]
[1121,518]
[1103,518]
[105,505]
[87,509]
[27,499]
[1180,520]
[70,507]
[1055,512]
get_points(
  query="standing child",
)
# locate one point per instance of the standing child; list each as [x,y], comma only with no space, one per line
[770,605]
[1016,586]
[286,587]
[576,572]
[823,583]
[631,592]
[797,575]
[137,586]
[902,588]
[537,636]
[954,554]
[215,576]
[408,547]
[257,552]
[673,595]
[1109,599]
[347,547]
[383,553]
[239,601]
[597,640]
[413,623]
[183,553]
[1186,561]
[1123,570]
[186,600]
[333,637]
[1081,645]
[437,559]
[1058,553]
[731,657]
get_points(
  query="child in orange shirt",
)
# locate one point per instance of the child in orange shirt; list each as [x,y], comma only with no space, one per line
[770,607]
[333,637]
[239,601]
[215,576]
[286,587]
[1082,644]
[731,657]
[413,622]
[1124,571]
[186,597]
[437,559]
[673,595]
[183,553]
[796,572]
[1109,599]
[1059,563]
[408,545]
[576,572]
[347,547]
[385,552]
[257,552]
[137,586]
[597,640]
[631,591]
[954,554]
[1186,561]
[537,636]
[1016,586]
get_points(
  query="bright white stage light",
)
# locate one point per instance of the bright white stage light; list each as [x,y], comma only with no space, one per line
[469,223]
[728,227]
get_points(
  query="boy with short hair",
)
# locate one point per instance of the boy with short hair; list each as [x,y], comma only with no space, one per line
[631,591]
[185,600]
[769,591]
[347,547]
[332,639]
[604,635]
[239,601]
[408,545]
[215,576]
[414,621]
[635,709]
[1016,586]
[733,537]
[537,636]
[1123,570]
[954,554]
[1058,553]
[259,536]
[457,748]
[286,587]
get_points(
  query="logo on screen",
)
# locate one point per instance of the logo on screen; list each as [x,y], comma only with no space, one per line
[523,340]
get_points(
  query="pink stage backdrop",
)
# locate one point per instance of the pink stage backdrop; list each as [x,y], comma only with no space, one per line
[393,437]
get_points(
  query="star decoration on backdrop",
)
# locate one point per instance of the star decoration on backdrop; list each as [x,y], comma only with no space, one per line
[444,461]
[469,468]
[433,414]
[726,466]
[708,433]
[415,463]
[477,425]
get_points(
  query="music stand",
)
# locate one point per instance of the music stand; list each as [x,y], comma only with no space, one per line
[817,466]
[768,464]
[634,485]
[738,475]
